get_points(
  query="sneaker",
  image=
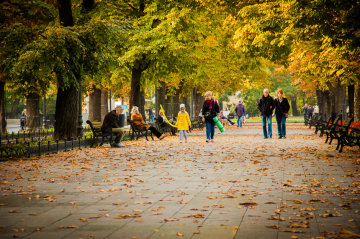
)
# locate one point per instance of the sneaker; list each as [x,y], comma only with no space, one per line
[207,141]
[180,141]
[284,137]
[212,141]
[279,137]
[265,137]
[162,136]
[185,140]
[117,145]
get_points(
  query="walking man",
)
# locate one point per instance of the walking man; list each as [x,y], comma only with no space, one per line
[240,112]
[266,105]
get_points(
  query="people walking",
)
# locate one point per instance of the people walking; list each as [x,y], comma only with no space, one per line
[266,106]
[240,112]
[111,125]
[210,109]
[304,110]
[309,112]
[281,113]
[137,119]
[151,115]
[183,123]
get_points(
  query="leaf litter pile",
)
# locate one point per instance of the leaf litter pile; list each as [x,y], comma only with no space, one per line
[241,186]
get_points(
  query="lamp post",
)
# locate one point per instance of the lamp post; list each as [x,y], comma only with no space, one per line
[80,121]
[44,111]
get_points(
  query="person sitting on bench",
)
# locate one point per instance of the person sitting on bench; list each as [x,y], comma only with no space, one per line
[111,125]
[138,120]
[164,124]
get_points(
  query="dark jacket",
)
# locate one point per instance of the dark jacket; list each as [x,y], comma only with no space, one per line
[161,121]
[111,120]
[240,110]
[210,114]
[282,107]
[266,105]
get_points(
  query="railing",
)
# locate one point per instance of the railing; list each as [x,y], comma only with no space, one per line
[21,144]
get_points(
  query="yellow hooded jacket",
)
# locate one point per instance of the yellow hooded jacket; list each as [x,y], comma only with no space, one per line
[183,121]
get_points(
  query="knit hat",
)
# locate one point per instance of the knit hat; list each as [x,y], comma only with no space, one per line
[182,106]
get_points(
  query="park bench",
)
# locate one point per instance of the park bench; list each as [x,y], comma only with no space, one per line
[163,128]
[332,126]
[134,131]
[314,120]
[322,125]
[196,123]
[349,137]
[336,131]
[96,131]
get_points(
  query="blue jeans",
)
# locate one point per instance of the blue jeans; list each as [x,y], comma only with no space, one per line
[151,118]
[266,119]
[240,120]
[281,120]
[210,130]
[183,133]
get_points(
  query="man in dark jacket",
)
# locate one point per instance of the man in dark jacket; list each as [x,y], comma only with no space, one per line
[111,124]
[240,112]
[266,105]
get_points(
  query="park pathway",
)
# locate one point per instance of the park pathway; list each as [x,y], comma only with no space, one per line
[241,186]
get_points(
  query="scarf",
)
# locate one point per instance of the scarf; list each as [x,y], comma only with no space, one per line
[209,102]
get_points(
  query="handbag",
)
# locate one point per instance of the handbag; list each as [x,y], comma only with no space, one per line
[286,115]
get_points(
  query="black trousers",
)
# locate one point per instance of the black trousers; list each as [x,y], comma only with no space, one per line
[155,131]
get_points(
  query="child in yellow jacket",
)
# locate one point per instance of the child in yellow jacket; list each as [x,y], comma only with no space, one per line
[183,123]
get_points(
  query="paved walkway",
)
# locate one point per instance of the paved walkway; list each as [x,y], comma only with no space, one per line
[241,186]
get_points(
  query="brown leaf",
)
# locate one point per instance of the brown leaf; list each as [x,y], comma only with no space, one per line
[171,219]
[349,233]
[248,204]
[68,227]
[127,216]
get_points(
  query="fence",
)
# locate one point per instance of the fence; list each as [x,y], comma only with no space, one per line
[29,144]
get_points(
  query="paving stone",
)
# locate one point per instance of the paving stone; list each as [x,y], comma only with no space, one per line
[164,189]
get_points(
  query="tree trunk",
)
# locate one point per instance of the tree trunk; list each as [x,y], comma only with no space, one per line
[160,96]
[357,103]
[65,13]
[351,92]
[94,104]
[142,105]
[340,99]
[320,101]
[66,113]
[168,106]
[32,111]
[67,101]
[135,88]
[327,101]
[104,104]
[176,103]
[2,108]
[198,103]
[294,109]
